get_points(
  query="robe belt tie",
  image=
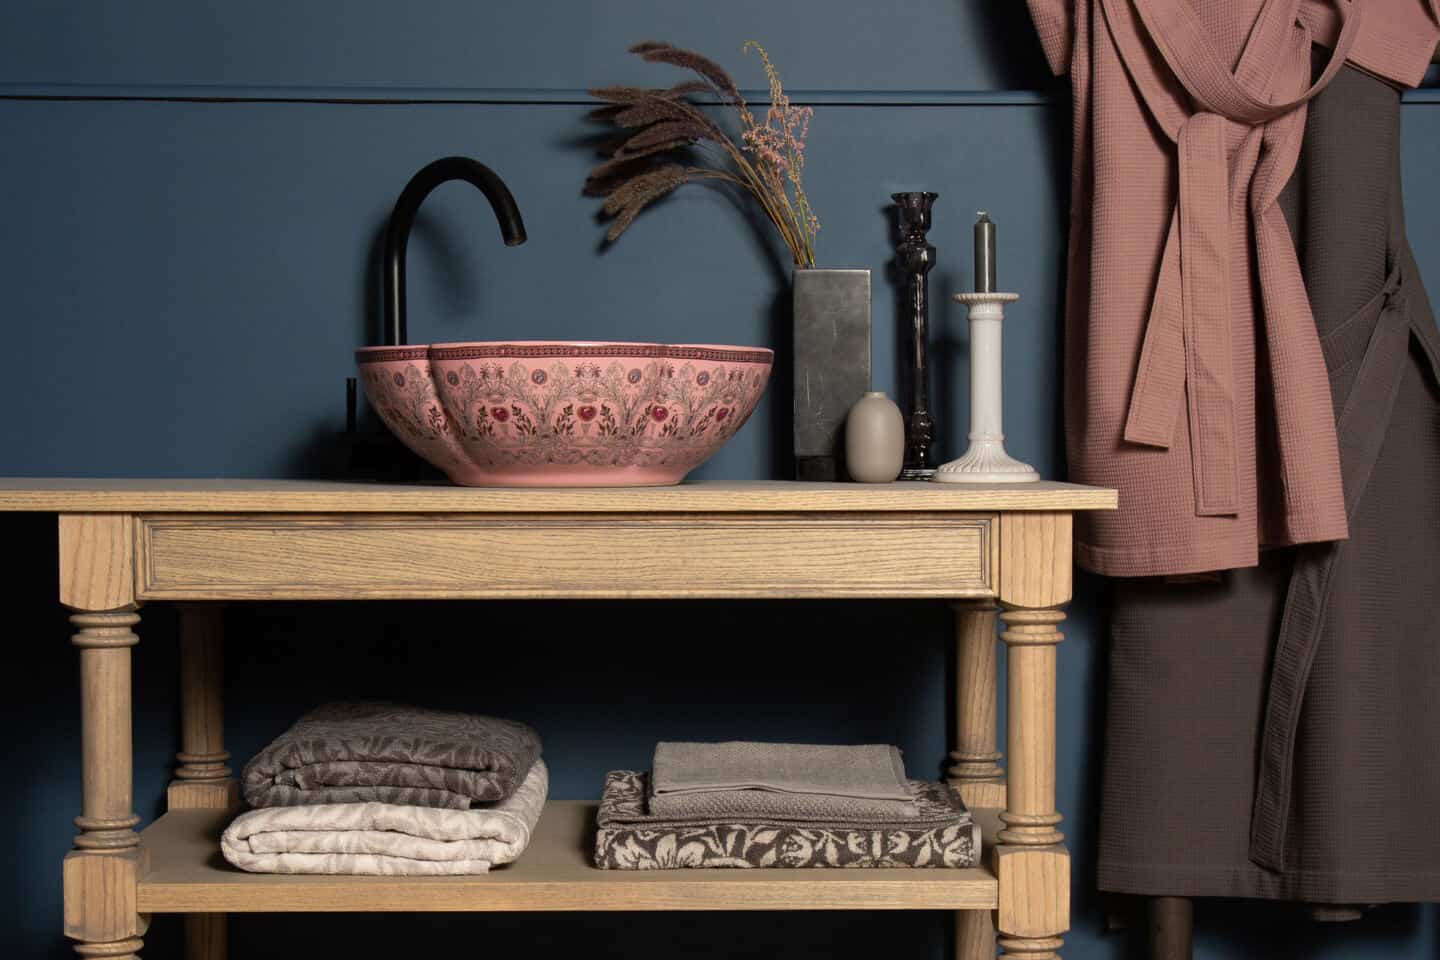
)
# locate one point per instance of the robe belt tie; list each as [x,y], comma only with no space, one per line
[1187,348]
[1187,352]
[1365,408]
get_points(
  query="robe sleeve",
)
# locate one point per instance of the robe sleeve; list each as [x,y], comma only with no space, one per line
[1396,39]
[1054,22]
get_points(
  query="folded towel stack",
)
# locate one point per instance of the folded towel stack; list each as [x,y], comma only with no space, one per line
[780,805]
[380,789]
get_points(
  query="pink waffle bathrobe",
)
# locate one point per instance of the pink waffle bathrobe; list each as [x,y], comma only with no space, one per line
[1195,381]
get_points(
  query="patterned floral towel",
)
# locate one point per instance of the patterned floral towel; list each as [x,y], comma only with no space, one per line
[382,752]
[631,838]
[386,839]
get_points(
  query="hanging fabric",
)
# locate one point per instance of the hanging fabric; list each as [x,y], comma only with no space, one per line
[1188,119]
[1271,734]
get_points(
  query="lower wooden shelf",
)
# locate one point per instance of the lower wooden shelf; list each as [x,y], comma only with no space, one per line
[188,875]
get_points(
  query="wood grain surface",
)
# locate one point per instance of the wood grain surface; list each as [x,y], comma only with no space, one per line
[307,496]
[975,762]
[307,556]
[555,874]
[97,570]
[127,541]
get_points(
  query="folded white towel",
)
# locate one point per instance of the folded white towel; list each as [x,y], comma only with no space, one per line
[386,839]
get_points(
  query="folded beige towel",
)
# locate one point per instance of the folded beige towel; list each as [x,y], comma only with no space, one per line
[865,772]
[387,839]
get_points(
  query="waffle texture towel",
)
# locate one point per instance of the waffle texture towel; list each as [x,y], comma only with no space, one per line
[865,772]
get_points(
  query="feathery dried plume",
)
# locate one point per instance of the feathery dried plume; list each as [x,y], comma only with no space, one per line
[629,95]
[652,109]
[653,52]
[655,108]
[607,176]
[621,95]
[643,187]
[635,195]
[666,130]
[687,88]
[765,160]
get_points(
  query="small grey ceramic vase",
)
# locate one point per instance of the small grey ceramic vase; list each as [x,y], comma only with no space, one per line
[874,439]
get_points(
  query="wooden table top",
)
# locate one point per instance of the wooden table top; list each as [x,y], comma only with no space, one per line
[47,495]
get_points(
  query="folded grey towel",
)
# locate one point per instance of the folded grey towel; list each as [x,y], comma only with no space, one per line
[630,837]
[385,753]
[769,805]
[865,772]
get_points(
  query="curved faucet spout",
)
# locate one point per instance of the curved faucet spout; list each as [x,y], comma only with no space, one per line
[402,218]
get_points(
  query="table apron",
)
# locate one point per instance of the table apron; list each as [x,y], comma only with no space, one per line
[465,556]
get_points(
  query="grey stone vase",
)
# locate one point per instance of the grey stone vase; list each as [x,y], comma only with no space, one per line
[832,364]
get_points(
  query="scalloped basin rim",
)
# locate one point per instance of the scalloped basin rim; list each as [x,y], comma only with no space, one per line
[642,348]
[564,413]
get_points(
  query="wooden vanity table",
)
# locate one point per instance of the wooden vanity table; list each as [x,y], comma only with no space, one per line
[1000,550]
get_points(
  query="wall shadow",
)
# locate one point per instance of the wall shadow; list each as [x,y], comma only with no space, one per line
[1010,50]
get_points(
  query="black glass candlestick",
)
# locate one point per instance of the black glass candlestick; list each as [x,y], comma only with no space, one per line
[915,257]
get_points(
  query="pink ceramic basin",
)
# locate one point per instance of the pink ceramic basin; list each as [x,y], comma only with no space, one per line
[540,413]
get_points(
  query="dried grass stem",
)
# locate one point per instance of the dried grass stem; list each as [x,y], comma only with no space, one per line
[765,162]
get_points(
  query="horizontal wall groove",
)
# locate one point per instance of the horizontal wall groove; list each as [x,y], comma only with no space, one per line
[402,94]
[381,95]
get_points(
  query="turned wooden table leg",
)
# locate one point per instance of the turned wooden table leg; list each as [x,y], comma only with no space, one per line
[975,762]
[1032,866]
[1034,869]
[974,935]
[1030,948]
[115,950]
[1029,816]
[102,874]
[1172,928]
[107,820]
[206,936]
[202,780]
[975,769]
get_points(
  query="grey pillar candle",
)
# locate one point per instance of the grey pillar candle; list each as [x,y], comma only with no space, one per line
[984,254]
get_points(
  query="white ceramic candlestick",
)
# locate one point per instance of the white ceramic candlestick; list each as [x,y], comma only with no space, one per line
[986,461]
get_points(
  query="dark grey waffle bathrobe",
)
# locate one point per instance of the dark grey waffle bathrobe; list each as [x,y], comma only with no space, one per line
[1277,733]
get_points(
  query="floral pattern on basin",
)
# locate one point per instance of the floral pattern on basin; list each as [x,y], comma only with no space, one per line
[403,394]
[557,414]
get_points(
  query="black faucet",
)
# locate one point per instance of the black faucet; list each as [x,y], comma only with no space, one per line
[397,234]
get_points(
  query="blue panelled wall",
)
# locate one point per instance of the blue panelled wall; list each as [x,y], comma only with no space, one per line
[189,255]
